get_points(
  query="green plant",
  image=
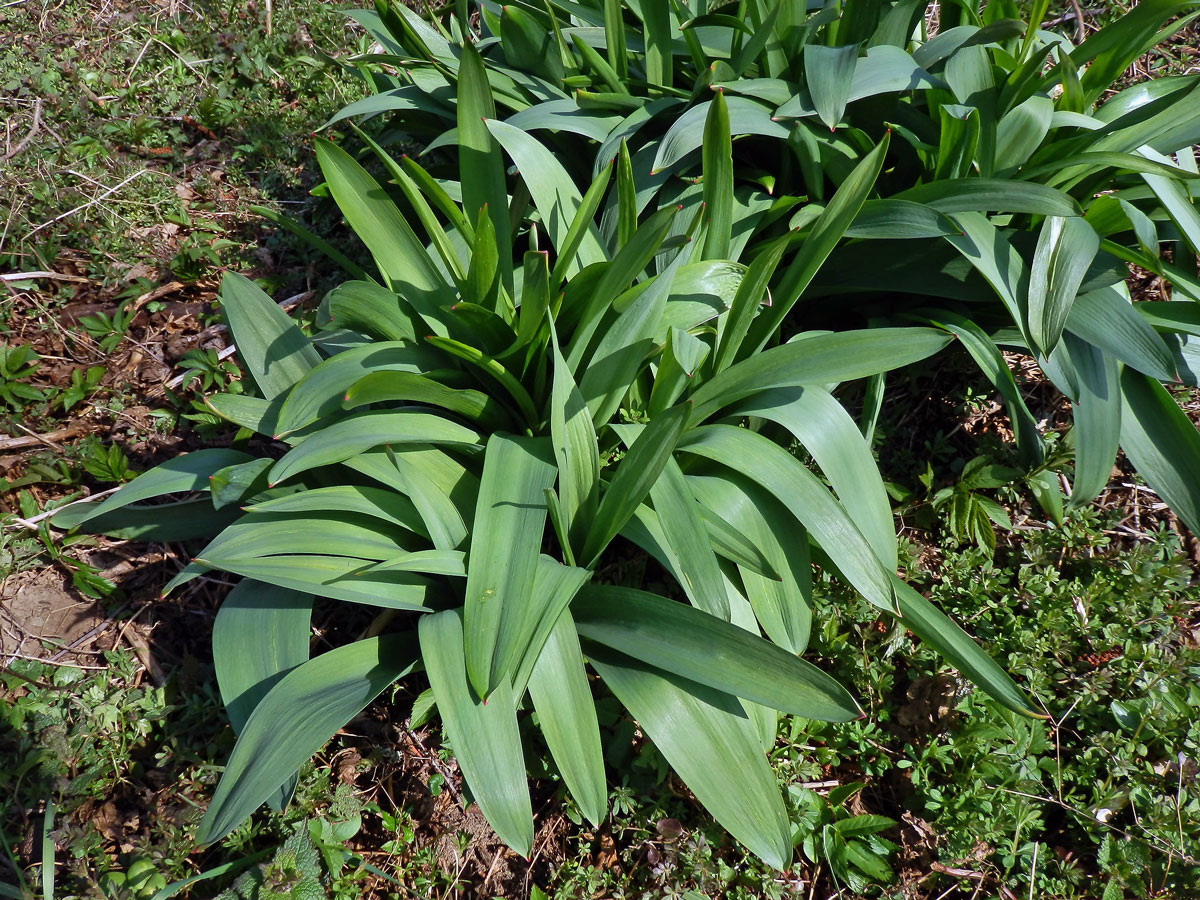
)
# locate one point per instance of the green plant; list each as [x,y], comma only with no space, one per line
[969,514]
[849,844]
[1029,171]
[468,439]
[293,874]
[83,385]
[108,329]
[17,365]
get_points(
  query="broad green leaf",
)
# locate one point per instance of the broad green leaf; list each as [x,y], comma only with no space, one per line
[734,546]
[565,115]
[781,601]
[367,307]
[402,260]
[480,166]
[1170,315]
[658,36]
[1112,48]
[994,257]
[309,704]
[554,586]
[162,523]
[718,179]
[751,293]
[253,413]
[238,482]
[708,740]
[687,538]
[818,360]
[441,489]
[1065,250]
[408,98]
[567,716]
[614,38]
[388,506]
[528,46]
[581,228]
[268,534]
[1176,200]
[337,577]
[1097,418]
[932,626]
[1021,131]
[1108,320]
[1068,169]
[594,61]
[830,435]
[627,197]
[704,648]
[260,633]
[186,472]
[883,70]
[636,473]
[575,450]
[958,141]
[616,277]
[406,386]
[362,431]
[481,285]
[625,345]
[535,298]
[485,738]
[1162,443]
[699,293]
[804,495]
[274,351]
[959,195]
[321,391]
[681,359]
[492,367]
[899,220]
[686,133]
[501,613]
[554,193]
[829,74]
[828,230]
[426,562]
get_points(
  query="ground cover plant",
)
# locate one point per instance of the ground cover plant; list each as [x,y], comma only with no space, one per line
[683,278]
